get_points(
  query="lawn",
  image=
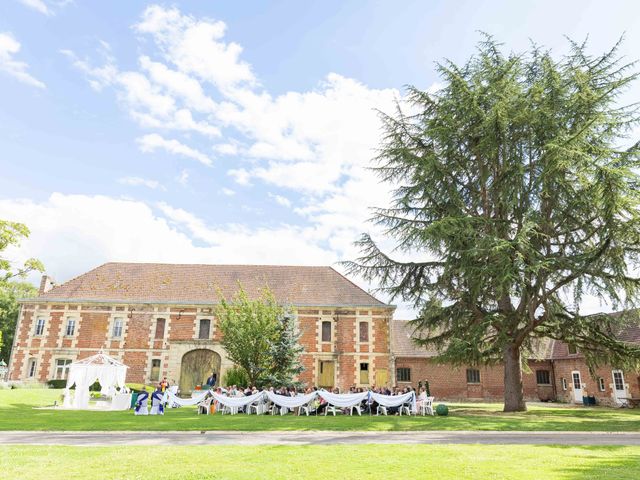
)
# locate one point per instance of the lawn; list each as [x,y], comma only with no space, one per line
[321,462]
[17,413]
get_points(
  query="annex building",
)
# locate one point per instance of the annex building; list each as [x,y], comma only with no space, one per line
[556,372]
[159,320]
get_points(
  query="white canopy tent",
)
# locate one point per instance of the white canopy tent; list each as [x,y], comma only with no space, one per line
[83,373]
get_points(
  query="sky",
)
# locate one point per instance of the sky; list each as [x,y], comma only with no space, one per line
[230,132]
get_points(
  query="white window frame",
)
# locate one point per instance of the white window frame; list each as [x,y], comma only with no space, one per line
[564,383]
[39,330]
[159,369]
[117,322]
[66,328]
[601,385]
[64,368]
[330,331]
[32,368]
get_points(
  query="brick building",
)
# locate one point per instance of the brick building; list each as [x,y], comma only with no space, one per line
[556,372]
[159,320]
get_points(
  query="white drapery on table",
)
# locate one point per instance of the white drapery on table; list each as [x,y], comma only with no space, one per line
[173,399]
[290,402]
[83,373]
[235,402]
[343,400]
[395,400]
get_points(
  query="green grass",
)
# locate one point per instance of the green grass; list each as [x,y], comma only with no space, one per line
[17,413]
[360,462]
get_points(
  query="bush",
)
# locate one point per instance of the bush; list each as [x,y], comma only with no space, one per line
[442,410]
[57,383]
[63,383]
[236,376]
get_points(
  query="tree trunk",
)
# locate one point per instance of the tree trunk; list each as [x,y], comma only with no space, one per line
[513,390]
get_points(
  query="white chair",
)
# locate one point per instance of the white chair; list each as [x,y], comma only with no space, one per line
[156,405]
[142,407]
[426,407]
[357,409]
[306,408]
[258,407]
[405,408]
[330,408]
[204,407]
[381,408]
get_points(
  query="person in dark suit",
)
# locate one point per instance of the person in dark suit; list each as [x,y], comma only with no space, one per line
[212,380]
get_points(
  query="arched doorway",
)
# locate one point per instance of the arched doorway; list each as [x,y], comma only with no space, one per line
[196,367]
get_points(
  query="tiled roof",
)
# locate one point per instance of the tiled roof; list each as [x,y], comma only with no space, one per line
[184,283]
[402,343]
[403,346]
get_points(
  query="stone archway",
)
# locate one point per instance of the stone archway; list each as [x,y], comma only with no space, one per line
[196,367]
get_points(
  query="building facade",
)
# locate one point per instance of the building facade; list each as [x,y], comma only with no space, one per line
[158,319]
[555,373]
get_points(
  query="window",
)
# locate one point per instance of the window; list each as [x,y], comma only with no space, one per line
[71,327]
[542,377]
[572,349]
[62,368]
[364,331]
[205,325]
[577,383]
[601,384]
[40,326]
[160,328]
[403,374]
[117,328]
[618,381]
[364,373]
[326,331]
[155,370]
[31,370]
[473,375]
[564,383]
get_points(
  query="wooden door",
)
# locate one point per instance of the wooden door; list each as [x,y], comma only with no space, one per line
[326,374]
[381,377]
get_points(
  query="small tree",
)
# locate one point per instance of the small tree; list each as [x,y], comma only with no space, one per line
[515,196]
[11,233]
[10,293]
[285,355]
[258,337]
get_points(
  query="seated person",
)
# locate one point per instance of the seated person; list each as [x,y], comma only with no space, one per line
[142,403]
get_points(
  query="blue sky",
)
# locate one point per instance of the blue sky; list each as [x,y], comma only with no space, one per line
[228,132]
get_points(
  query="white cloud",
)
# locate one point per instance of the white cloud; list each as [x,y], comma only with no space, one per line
[240,175]
[183,178]
[45,7]
[226,148]
[280,200]
[228,192]
[195,47]
[37,5]
[98,77]
[144,182]
[9,46]
[152,142]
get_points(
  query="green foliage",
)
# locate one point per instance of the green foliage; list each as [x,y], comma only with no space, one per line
[515,198]
[442,410]
[11,233]
[236,376]
[427,388]
[258,337]
[10,292]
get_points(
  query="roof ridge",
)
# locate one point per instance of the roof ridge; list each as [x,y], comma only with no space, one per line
[356,285]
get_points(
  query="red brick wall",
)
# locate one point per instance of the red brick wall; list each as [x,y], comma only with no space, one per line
[138,330]
[92,331]
[182,328]
[448,382]
[565,367]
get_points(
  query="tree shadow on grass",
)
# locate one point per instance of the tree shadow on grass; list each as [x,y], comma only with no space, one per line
[601,463]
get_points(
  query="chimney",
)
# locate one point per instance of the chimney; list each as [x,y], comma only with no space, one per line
[46,284]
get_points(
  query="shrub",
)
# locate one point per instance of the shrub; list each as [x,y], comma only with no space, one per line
[442,410]
[236,376]
[57,384]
